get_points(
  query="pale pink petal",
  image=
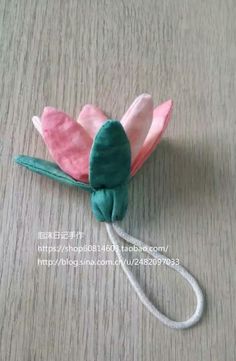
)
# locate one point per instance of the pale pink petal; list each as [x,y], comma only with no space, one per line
[68,143]
[136,122]
[161,117]
[37,123]
[91,118]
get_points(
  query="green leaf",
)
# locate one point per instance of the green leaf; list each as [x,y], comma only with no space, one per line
[109,173]
[50,170]
[110,157]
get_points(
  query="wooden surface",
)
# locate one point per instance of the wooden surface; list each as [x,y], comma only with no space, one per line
[65,54]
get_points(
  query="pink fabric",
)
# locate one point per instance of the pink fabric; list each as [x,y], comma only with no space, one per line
[136,122]
[68,143]
[91,118]
[161,117]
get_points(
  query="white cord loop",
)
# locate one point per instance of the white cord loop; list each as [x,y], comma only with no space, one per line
[113,230]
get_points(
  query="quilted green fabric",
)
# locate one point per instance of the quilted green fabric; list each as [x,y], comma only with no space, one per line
[50,170]
[109,157]
[110,162]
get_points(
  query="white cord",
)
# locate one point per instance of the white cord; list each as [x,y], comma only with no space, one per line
[113,230]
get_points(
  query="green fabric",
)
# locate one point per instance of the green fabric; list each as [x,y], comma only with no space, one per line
[110,205]
[50,170]
[110,157]
[110,162]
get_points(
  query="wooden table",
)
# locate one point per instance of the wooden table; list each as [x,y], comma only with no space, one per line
[66,54]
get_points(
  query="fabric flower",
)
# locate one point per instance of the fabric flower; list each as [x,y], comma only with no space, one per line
[98,154]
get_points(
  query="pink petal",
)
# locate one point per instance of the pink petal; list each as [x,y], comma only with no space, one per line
[137,121]
[68,143]
[37,123]
[91,118]
[161,117]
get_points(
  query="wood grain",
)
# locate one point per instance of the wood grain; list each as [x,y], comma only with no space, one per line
[65,54]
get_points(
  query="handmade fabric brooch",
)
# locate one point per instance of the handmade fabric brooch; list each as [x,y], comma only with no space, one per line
[101,155]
